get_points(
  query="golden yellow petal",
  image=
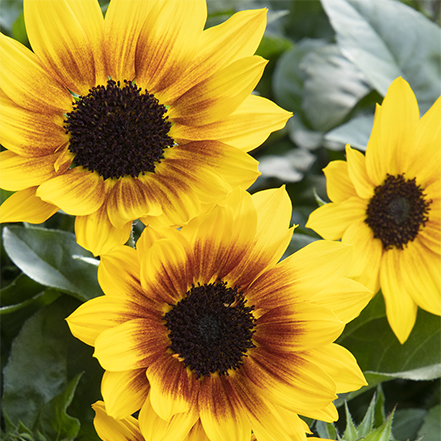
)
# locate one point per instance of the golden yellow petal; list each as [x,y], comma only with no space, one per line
[93,317]
[154,428]
[171,263]
[26,82]
[338,183]
[221,412]
[67,36]
[401,309]
[424,148]
[110,429]
[420,269]
[168,42]
[340,365]
[25,206]
[333,219]
[29,133]
[345,297]
[219,95]
[96,233]
[122,27]
[358,175]
[367,252]
[173,387]
[124,392]
[246,128]
[219,46]
[130,199]
[18,172]
[392,126]
[134,344]
[77,192]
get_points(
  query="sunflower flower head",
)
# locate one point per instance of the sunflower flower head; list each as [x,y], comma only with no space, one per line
[210,336]
[141,114]
[387,205]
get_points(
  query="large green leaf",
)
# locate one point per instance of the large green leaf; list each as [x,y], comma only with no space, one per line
[387,39]
[379,353]
[53,258]
[36,371]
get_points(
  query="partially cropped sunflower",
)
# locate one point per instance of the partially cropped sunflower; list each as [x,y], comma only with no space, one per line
[204,326]
[141,114]
[387,204]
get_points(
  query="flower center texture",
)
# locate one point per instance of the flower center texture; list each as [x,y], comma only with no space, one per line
[211,329]
[397,211]
[118,131]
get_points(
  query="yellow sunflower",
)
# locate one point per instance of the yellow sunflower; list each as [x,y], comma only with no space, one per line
[141,114]
[387,204]
[206,326]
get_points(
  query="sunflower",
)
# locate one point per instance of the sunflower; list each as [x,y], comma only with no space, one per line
[142,114]
[387,204]
[205,326]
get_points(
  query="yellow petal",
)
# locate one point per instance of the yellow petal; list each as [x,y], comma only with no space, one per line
[25,81]
[246,128]
[154,428]
[173,387]
[18,172]
[130,199]
[338,183]
[151,234]
[401,309]
[392,125]
[219,95]
[272,235]
[357,173]
[28,133]
[346,298]
[25,206]
[167,271]
[333,219]
[340,365]
[96,233]
[122,27]
[93,317]
[421,273]
[206,160]
[118,274]
[67,36]
[77,192]
[134,344]
[424,144]
[110,429]
[312,268]
[220,410]
[367,252]
[124,392]
[168,42]
[305,325]
[289,380]
[219,46]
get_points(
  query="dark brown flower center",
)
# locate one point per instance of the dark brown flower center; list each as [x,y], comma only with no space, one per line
[397,211]
[118,131]
[211,329]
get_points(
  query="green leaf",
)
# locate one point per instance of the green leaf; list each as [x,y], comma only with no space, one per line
[54,422]
[21,289]
[367,424]
[407,423]
[53,258]
[350,433]
[36,370]
[387,39]
[9,11]
[379,352]
[332,87]
[431,427]
[382,433]
[326,430]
